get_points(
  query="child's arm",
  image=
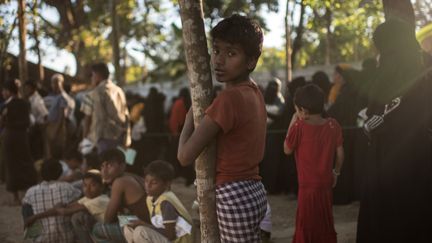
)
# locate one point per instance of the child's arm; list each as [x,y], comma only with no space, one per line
[288,150]
[338,164]
[30,220]
[170,231]
[71,209]
[192,142]
[117,192]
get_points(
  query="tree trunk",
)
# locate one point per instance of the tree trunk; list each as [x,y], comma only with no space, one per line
[115,44]
[3,49]
[197,58]
[399,8]
[328,18]
[288,49]
[22,41]
[41,74]
[297,45]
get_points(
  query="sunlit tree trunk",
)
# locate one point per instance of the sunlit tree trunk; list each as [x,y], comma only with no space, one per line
[200,80]
[41,74]
[115,44]
[297,45]
[288,49]
[328,18]
[23,75]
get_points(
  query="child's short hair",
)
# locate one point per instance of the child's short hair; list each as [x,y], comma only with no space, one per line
[113,155]
[161,170]
[240,30]
[95,175]
[51,170]
[73,154]
[92,160]
[101,68]
[311,98]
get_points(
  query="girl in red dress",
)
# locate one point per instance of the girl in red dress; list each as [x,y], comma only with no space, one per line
[315,141]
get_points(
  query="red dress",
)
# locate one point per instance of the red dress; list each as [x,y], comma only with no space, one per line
[315,147]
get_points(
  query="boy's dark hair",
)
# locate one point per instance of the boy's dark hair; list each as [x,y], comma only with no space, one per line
[94,175]
[31,83]
[101,69]
[92,160]
[113,155]
[240,30]
[73,154]
[161,170]
[51,170]
[311,98]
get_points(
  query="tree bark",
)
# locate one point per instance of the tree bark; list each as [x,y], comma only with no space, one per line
[23,75]
[399,8]
[3,49]
[288,50]
[115,44]
[328,18]
[198,64]
[41,73]
[297,45]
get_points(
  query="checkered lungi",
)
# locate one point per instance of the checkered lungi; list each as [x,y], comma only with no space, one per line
[105,232]
[240,207]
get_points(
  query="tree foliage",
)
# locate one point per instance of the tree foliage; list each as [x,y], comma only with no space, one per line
[149,30]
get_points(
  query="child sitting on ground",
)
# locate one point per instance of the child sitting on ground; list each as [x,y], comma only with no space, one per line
[170,220]
[47,194]
[86,211]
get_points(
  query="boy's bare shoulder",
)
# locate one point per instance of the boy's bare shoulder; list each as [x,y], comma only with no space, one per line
[126,180]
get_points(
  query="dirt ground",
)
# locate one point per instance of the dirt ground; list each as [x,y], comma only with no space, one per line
[283,216]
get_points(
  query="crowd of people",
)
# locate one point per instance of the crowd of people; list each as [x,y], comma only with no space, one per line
[88,170]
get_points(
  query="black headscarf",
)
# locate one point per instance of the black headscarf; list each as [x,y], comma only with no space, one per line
[400,61]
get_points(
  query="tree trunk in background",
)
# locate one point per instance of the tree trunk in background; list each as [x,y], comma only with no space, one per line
[297,45]
[198,64]
[115,44]
[401,9]
[23,75]
[328,18]
[3,49]
[288,50]
[41,74]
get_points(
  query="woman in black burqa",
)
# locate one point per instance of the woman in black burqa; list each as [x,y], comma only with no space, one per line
[396,205]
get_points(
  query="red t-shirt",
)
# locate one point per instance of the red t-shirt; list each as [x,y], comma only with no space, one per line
[315,147]
[177,117]
[240,113]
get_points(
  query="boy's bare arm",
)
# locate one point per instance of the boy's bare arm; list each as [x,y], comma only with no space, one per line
[71,209]
[170,232]
[30,220]
[117,191]
[192,143]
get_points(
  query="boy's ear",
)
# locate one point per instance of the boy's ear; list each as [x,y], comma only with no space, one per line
[252,62]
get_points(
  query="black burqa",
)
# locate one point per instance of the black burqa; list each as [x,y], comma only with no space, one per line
[396,203]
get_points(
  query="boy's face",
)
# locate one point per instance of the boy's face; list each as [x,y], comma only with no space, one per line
[154,186]
[110,170]
[73,163]
[91,188]
[230,63]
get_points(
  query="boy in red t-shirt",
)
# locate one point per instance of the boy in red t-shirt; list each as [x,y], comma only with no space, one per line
[315,141]
[237,119]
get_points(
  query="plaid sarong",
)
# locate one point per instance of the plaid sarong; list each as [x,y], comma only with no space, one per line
[104,233]
[240,207]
